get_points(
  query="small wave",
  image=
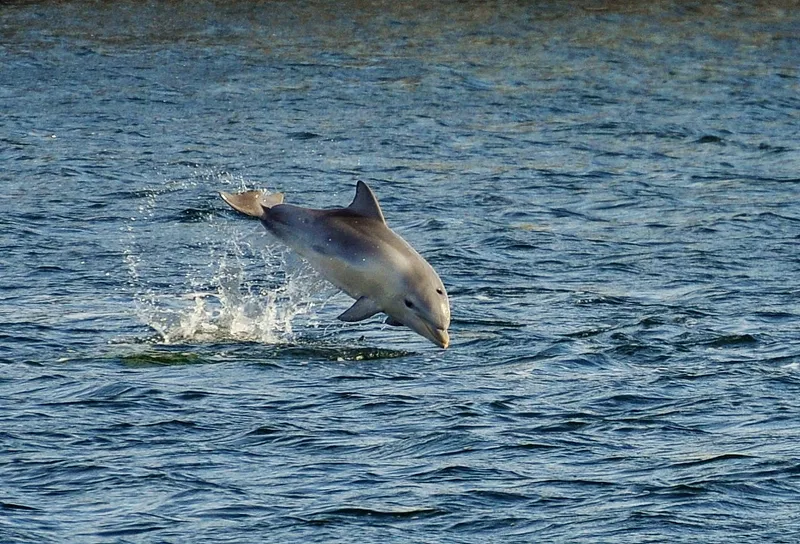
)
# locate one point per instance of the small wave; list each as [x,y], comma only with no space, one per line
[14,506]
[335,514]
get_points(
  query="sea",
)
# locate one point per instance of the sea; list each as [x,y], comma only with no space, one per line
[609,190]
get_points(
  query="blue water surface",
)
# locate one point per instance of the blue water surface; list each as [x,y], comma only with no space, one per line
[609,191]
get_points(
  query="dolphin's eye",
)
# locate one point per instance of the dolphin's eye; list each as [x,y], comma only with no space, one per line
[440,291]
[409,304]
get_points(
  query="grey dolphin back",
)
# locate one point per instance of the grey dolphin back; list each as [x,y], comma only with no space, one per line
[252,203]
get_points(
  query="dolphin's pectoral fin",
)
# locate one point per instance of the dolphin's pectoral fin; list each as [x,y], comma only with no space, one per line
[393,322]
[362,309]
[365,203]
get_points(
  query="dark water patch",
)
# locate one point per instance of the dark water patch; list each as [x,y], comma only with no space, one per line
[193,395]
[302,136]
[342,514]
[587,333]
[161,358]
[733,340]
[341,353]
[713,459]
[17,507]
[631,403]
[262,353]
[710,139]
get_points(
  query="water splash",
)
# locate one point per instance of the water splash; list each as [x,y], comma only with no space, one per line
[236,284]
[239,309]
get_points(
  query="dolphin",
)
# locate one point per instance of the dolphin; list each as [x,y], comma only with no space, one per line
[356,251]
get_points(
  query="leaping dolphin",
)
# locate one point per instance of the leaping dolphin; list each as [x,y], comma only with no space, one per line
[355,250]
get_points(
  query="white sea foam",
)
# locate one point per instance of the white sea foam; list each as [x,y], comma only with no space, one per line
[233,313]
[240,285]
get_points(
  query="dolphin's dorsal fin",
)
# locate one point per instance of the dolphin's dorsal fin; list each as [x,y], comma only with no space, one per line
[365,203]
[362,309]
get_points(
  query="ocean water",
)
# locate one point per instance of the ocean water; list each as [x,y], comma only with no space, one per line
[609,191]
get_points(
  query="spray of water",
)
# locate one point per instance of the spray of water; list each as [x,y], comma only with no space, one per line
[238,286]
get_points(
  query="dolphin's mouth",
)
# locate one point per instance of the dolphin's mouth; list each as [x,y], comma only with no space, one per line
[440,337]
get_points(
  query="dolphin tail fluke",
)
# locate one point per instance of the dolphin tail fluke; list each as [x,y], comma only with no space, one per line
[252,203]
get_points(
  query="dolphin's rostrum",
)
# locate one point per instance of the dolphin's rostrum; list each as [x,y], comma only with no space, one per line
[354,249]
